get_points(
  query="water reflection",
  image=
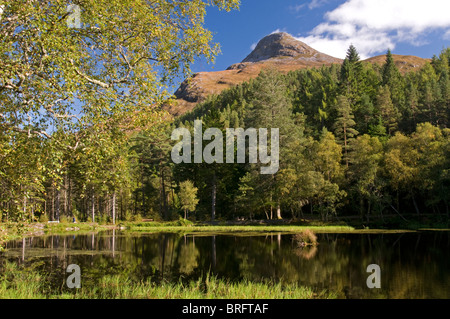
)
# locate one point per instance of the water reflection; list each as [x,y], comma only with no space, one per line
[413,265]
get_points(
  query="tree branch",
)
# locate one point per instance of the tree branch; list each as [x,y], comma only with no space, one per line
[32,132]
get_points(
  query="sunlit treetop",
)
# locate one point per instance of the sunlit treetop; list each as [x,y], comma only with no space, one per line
[68,67]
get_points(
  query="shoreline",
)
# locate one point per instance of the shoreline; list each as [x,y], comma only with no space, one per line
[12,231]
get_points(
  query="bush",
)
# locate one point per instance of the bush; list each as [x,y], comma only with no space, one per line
[43,218]
[306,238]
[184,222]
[128,216]
[64,219]
[103,219]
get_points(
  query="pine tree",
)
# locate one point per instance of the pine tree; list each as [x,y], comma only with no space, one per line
[344,125]
[389,114]
[364,113]
[351,74]
[352,54]
[429,94]
[378,129]
[272,109]
[390,70]
[444,85]
[392,78]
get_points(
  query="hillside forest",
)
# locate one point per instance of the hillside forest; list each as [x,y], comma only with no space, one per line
[356,139]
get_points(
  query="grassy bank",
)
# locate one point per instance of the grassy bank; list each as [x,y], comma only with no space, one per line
[238,229]
[10,231]
[13,231]
[185,226]
[17,230]
[19,283]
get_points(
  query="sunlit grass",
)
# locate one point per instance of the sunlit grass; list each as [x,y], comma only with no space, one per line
[192,228]
[15,284]
[14,230]
[18,283]
[117,287]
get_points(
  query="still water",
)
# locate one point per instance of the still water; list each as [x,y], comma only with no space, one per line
[413,265]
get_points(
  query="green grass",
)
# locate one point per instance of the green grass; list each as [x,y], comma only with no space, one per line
[117,287]
[158,227]
[19,283]
[73,227]
[249,230]
[13,230]
[9,231]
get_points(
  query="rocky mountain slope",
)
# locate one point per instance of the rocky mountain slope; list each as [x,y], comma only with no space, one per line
[280,51]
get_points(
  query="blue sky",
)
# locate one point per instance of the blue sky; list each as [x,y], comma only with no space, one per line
[409,27]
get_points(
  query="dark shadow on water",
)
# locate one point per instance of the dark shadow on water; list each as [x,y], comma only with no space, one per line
[413,265]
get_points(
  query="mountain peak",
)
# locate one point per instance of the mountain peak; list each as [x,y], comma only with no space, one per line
[279,51]
[281,45]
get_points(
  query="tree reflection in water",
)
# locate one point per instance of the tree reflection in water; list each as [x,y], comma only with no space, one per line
[413,265]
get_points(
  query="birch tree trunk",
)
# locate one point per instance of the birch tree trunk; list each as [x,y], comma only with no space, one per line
[213,198]
[114,208]
[93,206]
[279,211]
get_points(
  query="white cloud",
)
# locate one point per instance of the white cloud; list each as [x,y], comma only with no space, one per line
[316,4]
[253,46]
[297,8]
[373,26]
[446,36]
[313,4]
[278,31]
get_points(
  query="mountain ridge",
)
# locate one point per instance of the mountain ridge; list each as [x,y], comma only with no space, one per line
[280,51]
